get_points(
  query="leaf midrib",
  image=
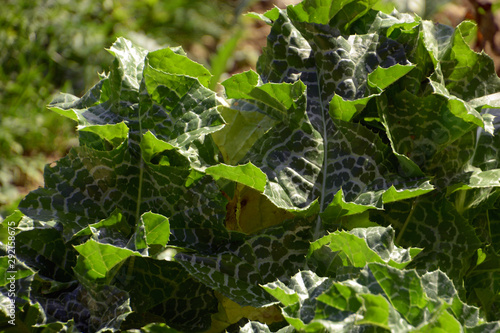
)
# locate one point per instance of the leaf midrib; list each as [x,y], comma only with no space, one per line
[317,229]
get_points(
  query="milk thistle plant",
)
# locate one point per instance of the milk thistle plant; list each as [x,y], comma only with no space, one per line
[350,184]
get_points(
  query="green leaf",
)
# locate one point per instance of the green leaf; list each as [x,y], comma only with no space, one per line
[243,128]
[44,249]
[420,127]
[152,147]
[97,262]
[168,61]
[257,327]
[11,221]
[12,270]
[357,248]
[246,174]
[153,229]
[184,303]
[468,75]
[314,157]
[103,265]
[383,77]
[237,272]
[377,311]
[485,285]
[109,180]
[280,101]
[347,109]
[114,135]
[321,11]
[299,296]
[155,75]
[403,289]
[432,223]
[156,328]
[112,230]
[380,79]
[380,297]
[157,228]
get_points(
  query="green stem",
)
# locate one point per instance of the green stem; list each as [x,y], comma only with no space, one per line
[400,235]
[141,172]
[139,195]
[319,224]
[460,201]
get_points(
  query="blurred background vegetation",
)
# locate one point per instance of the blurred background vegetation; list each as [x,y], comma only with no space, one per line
[51,46]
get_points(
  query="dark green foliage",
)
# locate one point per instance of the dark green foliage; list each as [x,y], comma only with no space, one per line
[362,155]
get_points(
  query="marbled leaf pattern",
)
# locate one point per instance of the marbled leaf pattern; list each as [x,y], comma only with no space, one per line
[370,139]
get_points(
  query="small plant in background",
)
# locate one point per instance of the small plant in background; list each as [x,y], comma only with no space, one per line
[351,183]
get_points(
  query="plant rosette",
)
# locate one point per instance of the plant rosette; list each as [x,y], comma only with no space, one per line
[350,184]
